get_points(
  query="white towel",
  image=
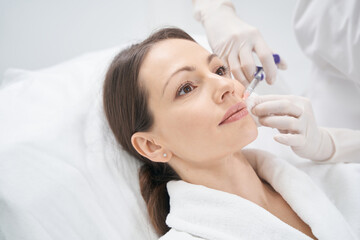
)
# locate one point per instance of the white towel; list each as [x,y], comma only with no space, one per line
[198,211]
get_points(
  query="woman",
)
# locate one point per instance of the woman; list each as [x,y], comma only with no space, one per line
[173,105]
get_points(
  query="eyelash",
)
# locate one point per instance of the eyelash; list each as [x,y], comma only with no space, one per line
[224,69]
[225,72]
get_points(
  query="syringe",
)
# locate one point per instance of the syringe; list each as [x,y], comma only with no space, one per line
[259,75]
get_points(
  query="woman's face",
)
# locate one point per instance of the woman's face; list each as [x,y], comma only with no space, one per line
[190,91]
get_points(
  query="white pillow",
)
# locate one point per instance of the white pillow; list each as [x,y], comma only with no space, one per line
[62,176]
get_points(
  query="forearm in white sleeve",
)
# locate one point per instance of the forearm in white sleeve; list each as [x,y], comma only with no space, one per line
[347,145]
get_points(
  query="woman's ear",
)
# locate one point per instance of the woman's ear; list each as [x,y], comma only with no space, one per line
[145,145]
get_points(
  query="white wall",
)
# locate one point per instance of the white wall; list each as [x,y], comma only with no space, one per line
[39,33]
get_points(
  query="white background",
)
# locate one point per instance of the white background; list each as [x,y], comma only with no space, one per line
[39,33]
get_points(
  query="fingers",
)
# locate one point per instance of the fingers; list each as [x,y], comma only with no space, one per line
[282,64]
[266,58]
[266,98]
[243,65]
[247,63]
[277,107]
[286,124]
[279,111]
[234,64]
[291,115]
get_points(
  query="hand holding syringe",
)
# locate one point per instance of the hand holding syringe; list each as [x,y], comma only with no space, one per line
[259,75]
[293,117]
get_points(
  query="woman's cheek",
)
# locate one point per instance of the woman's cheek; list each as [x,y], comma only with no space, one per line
[239,88]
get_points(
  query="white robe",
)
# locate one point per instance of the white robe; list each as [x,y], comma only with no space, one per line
[326,198]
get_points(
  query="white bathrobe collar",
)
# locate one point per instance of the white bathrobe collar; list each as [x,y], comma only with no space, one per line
[213,214]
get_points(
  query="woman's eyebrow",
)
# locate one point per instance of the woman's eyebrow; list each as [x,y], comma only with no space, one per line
[186,68]
[210,57]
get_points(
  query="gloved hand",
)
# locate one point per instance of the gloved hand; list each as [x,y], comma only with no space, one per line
[234,40]
[293,117]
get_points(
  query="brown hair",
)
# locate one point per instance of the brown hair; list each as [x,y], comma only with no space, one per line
[127,112]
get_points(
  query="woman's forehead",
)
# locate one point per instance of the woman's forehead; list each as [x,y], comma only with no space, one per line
[176,50]
[167,56]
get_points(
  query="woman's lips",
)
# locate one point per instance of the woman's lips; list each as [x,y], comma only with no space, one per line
[234,113]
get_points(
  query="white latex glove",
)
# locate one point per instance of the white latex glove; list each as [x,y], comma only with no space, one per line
[250,103]
[234,40]
[293,117]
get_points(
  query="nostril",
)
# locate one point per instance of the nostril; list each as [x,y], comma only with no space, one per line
[232,93]
[225,88]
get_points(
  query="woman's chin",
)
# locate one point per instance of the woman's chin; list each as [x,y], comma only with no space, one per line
[248,134]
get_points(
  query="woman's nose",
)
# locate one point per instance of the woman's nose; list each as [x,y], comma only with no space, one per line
[223,88]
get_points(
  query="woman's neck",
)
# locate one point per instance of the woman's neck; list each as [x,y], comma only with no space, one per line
[233,174]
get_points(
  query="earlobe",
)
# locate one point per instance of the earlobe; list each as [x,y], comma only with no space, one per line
[145,145]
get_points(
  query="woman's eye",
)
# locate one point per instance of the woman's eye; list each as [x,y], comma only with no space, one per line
[185,89]
[221,71]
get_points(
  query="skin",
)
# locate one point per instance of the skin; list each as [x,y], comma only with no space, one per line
[186,125]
